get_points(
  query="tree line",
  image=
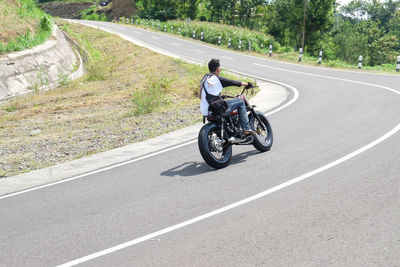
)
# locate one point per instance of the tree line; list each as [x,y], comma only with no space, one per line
[363,27]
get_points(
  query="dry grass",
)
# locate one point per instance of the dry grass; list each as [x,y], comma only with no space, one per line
[101,111]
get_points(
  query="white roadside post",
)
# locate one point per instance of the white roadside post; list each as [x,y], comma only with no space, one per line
[202,35]
[172,28]
[240,44]
[360,58]
[229,42]
[398,64]
[270,50]
[300,54]
[219,40]
[179,31]
[320,58]
[249,46]
[194,34]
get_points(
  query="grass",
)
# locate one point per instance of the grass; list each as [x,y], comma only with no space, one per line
[22,25]
[124,98]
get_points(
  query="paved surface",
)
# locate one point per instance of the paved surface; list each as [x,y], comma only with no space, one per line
[345,213]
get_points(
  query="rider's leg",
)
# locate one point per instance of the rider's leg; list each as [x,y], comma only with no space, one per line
[238,103]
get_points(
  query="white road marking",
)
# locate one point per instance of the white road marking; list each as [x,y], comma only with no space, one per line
[154,37]
[233,205]
[327,77]
[294,99]
[199,51]
[229,58]
[176,44]
[99,170]
[254,197]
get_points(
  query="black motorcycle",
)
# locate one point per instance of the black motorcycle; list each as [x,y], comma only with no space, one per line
[224,130]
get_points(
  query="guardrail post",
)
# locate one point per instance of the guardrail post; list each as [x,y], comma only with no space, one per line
[320,58]
[270,50]
[202,35]
[219,40]
[300,54]
[398,64]
[179,31]
[229,42]
[249,46]
[240,44]
[172,28]
[194,34]
[360,58]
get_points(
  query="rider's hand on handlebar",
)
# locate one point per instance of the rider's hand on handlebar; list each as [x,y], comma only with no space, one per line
[249,85]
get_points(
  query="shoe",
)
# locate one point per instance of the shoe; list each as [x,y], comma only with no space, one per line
[249,132]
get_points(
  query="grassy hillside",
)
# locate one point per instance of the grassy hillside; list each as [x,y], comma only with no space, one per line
[123,98]
[22,25]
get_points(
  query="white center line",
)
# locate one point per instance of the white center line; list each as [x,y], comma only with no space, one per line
[199,51]
[176,44]
[229,58]
[154,37]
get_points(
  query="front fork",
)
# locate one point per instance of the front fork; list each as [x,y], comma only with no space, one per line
[255,116]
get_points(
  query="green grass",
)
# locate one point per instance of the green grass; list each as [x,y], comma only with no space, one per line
[212,31]
[28,9]
[337,64]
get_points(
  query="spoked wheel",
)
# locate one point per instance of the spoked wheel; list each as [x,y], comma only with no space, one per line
[212,148]
[264,138]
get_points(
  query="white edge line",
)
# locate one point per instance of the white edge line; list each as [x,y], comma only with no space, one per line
[295,97]
[241,202]
[231,206]
[268,59]
[98,170]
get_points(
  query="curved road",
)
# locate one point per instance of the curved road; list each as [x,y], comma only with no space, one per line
[345,213]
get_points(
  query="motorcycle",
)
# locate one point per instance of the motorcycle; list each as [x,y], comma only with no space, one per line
[222,131]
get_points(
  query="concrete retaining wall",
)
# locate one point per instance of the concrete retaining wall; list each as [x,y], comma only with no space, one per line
[38,68]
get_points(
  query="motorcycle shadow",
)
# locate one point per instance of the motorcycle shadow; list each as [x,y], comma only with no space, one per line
[192,168]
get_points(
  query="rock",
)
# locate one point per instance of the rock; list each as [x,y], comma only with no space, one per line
[35,132]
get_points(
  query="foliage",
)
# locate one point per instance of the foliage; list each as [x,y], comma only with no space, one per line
[91,14]
[256,41]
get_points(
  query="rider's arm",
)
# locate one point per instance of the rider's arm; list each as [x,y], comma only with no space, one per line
[227,82]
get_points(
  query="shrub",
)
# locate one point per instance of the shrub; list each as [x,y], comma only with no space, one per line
[151,96]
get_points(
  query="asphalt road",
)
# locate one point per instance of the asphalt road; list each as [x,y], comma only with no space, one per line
[347,214]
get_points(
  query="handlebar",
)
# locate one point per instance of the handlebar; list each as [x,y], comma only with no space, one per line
[244,89]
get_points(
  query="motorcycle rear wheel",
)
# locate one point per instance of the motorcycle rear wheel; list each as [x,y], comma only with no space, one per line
[213,153]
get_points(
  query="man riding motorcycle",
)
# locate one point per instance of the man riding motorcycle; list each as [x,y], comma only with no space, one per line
[210,90]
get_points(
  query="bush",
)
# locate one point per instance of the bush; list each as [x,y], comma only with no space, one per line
[152,96]
[257,41]
[46,23]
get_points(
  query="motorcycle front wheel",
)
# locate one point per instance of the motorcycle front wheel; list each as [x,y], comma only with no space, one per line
[211,147]
[263,139]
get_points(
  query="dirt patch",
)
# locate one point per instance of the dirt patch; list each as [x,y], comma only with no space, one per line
[120,8]
[69,10]
[13,25]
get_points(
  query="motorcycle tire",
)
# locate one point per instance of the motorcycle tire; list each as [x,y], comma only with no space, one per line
[263,142]
[207,147]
